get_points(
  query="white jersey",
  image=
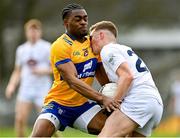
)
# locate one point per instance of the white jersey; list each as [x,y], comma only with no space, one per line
[29,56]
[113,55]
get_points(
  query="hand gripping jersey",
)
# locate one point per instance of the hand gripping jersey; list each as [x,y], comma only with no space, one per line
[63,50]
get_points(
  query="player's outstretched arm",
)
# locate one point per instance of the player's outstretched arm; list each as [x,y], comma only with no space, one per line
[69,74]
[13,82]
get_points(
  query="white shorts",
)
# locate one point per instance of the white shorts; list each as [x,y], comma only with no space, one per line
[33,95]
[82,121]
[146,112]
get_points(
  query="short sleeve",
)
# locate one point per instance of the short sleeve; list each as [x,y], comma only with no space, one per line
[112,57]
[18,59]
[60,53]
[48,53]
[176,88]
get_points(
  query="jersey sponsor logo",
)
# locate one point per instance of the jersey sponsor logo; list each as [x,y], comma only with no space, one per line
[86,74]
[87,68]
[67,41]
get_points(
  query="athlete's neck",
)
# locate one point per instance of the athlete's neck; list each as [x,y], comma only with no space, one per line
[109,42]
[78,38]
[33,42]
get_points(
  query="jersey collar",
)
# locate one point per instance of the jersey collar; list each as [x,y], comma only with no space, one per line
[71,36]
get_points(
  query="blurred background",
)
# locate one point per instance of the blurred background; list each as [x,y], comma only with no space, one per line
[150,27]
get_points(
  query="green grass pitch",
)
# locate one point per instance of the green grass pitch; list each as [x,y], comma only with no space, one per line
[70,132]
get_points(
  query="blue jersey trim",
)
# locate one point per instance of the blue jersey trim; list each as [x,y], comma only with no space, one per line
[67,41]
[71,36]
[62,61]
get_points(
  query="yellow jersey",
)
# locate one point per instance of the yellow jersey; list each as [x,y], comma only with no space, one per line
[63,50]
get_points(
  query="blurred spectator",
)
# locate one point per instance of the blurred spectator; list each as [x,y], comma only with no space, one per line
[32,71]
[176,99]
[176,96]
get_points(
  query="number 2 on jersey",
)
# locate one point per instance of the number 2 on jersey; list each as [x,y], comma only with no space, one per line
[138,62]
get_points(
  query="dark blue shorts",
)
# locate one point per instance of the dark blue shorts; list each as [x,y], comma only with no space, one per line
[66,115]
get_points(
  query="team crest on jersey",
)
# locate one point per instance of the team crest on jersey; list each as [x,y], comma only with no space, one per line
[111,59]
[86,52]
[32,62]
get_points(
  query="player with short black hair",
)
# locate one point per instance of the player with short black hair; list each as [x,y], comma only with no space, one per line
[66,10]
[74,66]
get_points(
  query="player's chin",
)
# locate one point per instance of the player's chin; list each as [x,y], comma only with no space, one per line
[84,32]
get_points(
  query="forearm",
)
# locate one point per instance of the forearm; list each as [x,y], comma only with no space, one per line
[42,71]
[69,74]
[85,90]
[14,80]
[46,71]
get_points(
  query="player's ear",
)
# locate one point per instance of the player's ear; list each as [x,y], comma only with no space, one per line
[65,23]
[101,35]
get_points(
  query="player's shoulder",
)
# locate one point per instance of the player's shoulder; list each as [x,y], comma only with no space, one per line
[43,45]
[61,41]
[44,42]
[115,46]
[67,39]
[22,46]
[118,45]
[125,46]
[109,48]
